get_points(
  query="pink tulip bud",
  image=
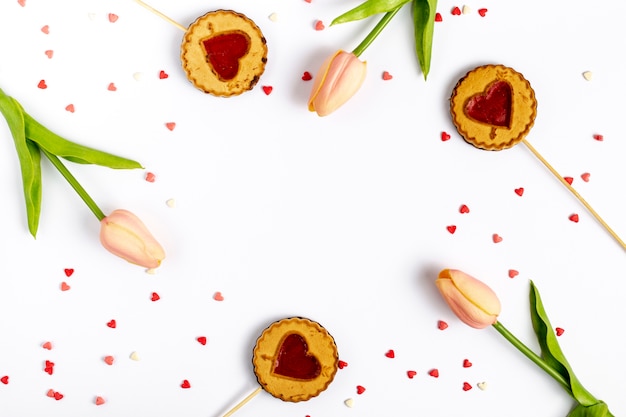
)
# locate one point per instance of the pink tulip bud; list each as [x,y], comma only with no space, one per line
[336,82]
[124,235]
[470,299]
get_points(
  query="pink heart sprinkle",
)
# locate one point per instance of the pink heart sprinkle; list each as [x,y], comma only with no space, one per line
[21,2]
[112,87]
[445,136]
[451,229]
[150,177]
[46,29]
[569,180]
[65,287]
[319,25]
[513,273]
[42,84]
[387,76]
[49,53]
[47,346]
[442,325]
[267,89]
[170,125]
[112,324]
[360,389]
[218,296]
[390,354]
[109,360]
[497,238]
[185,384]
[519,191]
[113,17]
[574,218]
[307,76]
[467,364]
[342,364]
[163,75]
[70,108]
[68,272]
[586,176]
[482,12]
[411,374]
[100,401]
[308,1]
[155,297]
[466,386]
[456,11]
[559,331]
[434,373]
[202,340]
[598,137]
[5,379]
[464,209]
[50,393]
[438,17]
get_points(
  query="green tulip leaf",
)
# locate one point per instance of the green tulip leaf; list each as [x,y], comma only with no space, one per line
[424,26]
[552,353]
[369,8]
[597,410]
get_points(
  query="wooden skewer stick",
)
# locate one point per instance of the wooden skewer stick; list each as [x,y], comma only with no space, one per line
[158,13]
[576,194]
[242,402]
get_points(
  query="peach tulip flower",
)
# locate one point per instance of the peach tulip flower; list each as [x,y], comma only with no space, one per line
[470,299]
[339,78]
[124,235]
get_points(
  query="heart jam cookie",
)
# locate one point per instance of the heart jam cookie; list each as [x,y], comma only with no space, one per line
[295,359]
[493,107]
[224,53]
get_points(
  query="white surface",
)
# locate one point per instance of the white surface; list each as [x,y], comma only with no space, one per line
[339,219]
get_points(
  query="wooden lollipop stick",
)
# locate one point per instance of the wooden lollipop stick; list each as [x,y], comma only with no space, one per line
[242,402]
[158,13]
[576,194]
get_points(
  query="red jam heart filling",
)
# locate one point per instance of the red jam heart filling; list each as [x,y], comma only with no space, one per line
[224,51]
[293,359]
[492,107]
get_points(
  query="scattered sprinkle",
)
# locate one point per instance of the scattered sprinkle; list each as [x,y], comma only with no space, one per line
[112,87]
[387,76]
[138,76]
[150,177]
[201,340]
[438,17]
[267,89]
[134,356]
[21,2]
[319,25]
[442,325]
[513,273]
[390,354]
[482,386]
[466,9]
[496,238]
[91,16]
[108,360]
[411,374]
[434,373]
[49,53]
[306,76]
[451,229]
[170,126]
[49,367]
[587,75]
[598,137]
[42,84]
[155,297]
[342,364]
[70,108]
[47,345]
[65,287]
[46,29]
[456,11]
[467,363]
[5,379]
[308,1]
[559,331]
[519,191]
[113,17]
[585,176]
[464,209]
[53,394]
[112,324]
[349,402]
[360,389]
[163,75]
[151,271]
[445,136]
[171,203]
[573,218]
[466,386]
[185,384]
[273,17]
[99,400]
[218,296]
[482,12]
[569,180]
[68,272]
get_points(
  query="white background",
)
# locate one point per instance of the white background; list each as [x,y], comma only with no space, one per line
[340,219]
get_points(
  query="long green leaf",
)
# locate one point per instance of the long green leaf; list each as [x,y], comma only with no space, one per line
[367,9]
[29,158]
[551,351]
[424,26]
[597,410]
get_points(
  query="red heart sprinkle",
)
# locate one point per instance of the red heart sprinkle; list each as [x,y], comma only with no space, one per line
[45,29]
[163,75]
[5,379]
[49,368]
[218,296]
[170,125]
[70,108]
[113,17]
[201,340]
[466,386]
[49,53]
[559,331]
[445,136]
[47,345]
[360,389]
[456,11]
[99,401]
[586,176]
[569,180]
[482,12]
[497,238]
[42,84]
[185,384]
[390,354]
[342,364]
[574,218]
[112,87]
[68,272]
[150,177]
[438,17]
[267,89]
[319,25]
[307,76]
[442,325]
[513,273]
[58,396]
[451,229]
[519,191]
[464,209]
[387,76]
[109,360]
[434,373]
[467,364]
[599,138]
[411,374]
[112,324]
[155,297]
[64,286]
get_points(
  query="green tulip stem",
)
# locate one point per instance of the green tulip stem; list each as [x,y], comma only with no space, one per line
[75,184]
[376,31]
[532,355]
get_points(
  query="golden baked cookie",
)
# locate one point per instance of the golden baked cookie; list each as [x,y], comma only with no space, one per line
[295,359]
[493,107]
[224,53]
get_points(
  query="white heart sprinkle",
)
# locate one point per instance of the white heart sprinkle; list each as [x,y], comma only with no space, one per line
[134,356]
[138,76]
[466,10]
[92,16]
[171,203]
[349,402]
[482,385]
[273,17]
[587,75]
